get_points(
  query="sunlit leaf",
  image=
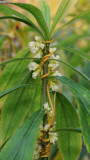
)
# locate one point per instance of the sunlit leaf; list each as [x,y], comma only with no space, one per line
[63,10]
[21,145]
[46,11]
[66,117]
[73,20]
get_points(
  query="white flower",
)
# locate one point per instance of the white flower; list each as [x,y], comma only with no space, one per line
[46,127]
[33,66]
[31,44]
[53,65]
[55,85]
[38,54]
[57,57]
[53,137]
[56,73]
[41,128]
[38,39]
[51,50]
[42,46]
[50,113]
[37,151]
[34,49]
[36,73]
[46,106]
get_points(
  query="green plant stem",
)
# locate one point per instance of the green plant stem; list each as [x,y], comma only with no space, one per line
[44,87]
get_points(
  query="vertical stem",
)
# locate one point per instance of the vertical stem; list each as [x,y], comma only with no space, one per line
[44,87]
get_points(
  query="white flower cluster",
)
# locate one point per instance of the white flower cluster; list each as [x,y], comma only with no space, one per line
[37,151]
[37,47]
[55,85]
[52,135]
[46,106]
[53,64]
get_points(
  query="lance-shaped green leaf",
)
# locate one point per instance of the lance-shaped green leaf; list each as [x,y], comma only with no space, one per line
[85,123]
[81,91]
[66,117]
[37,15]
[78,130]
[18,102]
[12,71]
[46,11]
[73,20]
[77,71]
[63,10]
[13,89]
[21,145]
[75,51]
[12,14]
[84,106]
[69,40]
[17,59]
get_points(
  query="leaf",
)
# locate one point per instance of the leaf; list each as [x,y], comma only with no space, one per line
[66,117]
[78,130]
[80,53]
[13,89]
[15,59]
[80,73]
[73,20]
[63,10]
[18,17]
[12,71]
[20,101]
[80,91]
[17,104]
[85,123]
[30,24]
[45,11]
[68,41]
[83,101]
[21,145]
[37,15]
